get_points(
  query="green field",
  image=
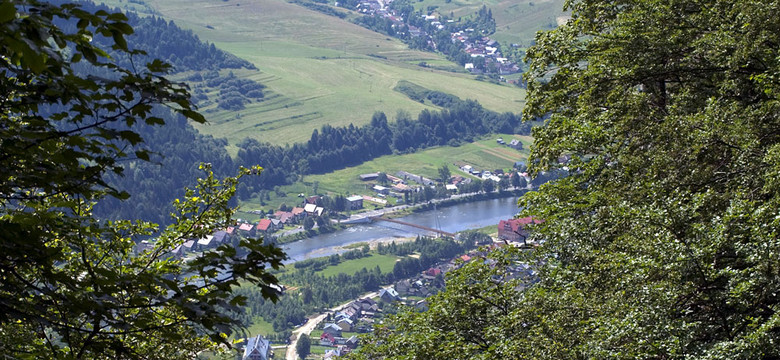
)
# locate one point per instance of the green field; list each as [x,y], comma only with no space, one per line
[482,154]
[349,267]
[260,327]
[318,69]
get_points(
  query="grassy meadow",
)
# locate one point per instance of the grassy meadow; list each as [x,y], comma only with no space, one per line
[349,267]
[485,153]
[318,69]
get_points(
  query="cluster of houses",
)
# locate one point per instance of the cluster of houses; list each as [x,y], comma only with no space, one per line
[265,226]
[398,185]
[485,48]
[357,316]
[474,46]
[489,175]
[514,143]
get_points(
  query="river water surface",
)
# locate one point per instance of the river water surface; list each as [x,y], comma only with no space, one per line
[454,218]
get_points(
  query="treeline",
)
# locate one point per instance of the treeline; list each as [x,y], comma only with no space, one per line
[179,148]
[332,148]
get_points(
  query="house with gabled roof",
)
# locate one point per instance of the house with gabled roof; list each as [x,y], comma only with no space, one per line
[206,242]
[346,324]
[247,229]
[355,202]
[332,329]
[257,348]
[298,213]
[264,225]
[389,295]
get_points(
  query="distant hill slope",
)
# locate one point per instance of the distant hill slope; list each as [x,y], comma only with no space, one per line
[318,69]
[516,21]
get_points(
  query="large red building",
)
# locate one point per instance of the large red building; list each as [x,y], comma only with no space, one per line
[515,229]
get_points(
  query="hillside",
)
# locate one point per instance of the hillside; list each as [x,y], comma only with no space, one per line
[516,21]
[318,69]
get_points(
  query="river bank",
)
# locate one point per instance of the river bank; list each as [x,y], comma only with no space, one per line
[456,216]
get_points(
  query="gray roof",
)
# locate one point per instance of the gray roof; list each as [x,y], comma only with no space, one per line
[257,348]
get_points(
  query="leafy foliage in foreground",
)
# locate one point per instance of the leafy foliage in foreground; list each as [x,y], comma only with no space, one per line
[664,241]
[73,286]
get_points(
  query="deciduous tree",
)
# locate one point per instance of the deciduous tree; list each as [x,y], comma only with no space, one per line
[663,240]
[73,286]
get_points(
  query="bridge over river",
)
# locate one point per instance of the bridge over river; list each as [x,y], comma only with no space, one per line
[441,232]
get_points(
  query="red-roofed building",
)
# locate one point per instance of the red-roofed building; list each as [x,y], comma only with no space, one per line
[247,229]
[298,213]
[465,258]
[433,272]
[327,339]
[515,229]
[264,225]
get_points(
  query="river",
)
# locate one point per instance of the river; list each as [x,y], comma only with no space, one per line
[454,218]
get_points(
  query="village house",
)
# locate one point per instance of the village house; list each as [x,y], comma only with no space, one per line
[516,144]
[514,229]
[265,225]
[220,237]
[355,202]
[313,210]
[389,295]
[190,246]
[381,189]
[345,324]
[332,329]
[298,213]
[352,342]
[257,348]
[247,229]
[327,339]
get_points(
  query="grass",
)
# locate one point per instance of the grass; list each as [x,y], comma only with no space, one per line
[318,69]
[385,263]
[485,153]
[260,327]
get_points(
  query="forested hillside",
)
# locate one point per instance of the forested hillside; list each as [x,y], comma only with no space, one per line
[178,148]
[663,242]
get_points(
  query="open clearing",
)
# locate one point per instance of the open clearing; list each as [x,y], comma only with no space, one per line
[350,267]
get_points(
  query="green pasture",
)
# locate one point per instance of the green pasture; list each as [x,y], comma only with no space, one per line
[304,93]
[483,154]
[318,69]
[260,327]
[349,267]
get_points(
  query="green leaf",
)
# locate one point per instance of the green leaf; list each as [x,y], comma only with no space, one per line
[7,11]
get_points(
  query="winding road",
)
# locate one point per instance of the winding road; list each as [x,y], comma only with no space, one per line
[292,353]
